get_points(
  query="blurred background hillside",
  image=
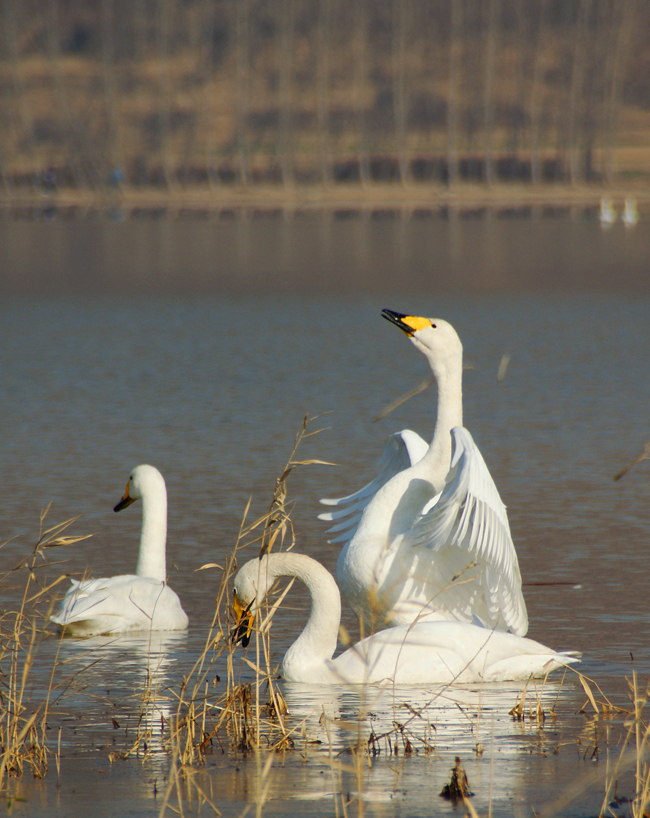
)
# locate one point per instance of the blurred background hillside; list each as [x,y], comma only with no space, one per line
[204,94]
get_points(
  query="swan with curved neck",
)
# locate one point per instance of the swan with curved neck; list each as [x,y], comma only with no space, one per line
[130,602]
[421,653]
[406,555]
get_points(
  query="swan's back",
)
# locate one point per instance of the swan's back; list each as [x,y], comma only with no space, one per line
[118,605]
[446,653]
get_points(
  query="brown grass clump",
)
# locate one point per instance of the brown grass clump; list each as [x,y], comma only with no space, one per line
[23,723]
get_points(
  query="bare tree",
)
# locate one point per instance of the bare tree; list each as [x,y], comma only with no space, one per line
[627,9]
[242,11]
[521,76]
[286,72]
[401,10]
[110,87]
[164,101]
[67,122]
[536,91]
[207,105]
[26,122]
[455,50]
[322,82]
[139,25]
[575,96]
[360,35]
[595,81]
[494,8]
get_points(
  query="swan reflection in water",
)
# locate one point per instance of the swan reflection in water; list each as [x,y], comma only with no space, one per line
[130,676]
[493,728]
[450,718]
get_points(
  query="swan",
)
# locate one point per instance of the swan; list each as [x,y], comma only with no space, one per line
[421,653]
[429,536]
[608,214]
[130,602]
[630,214]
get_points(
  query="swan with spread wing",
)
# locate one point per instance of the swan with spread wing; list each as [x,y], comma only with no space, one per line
[429,538]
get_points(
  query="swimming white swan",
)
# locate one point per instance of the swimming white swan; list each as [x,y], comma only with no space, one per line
[422,653]
[412,552]
[630,214]
[130,602]
[608,214]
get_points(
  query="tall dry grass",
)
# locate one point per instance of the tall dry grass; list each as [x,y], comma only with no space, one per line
[23,627]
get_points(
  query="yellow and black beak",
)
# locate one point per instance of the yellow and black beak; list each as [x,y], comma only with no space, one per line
[243,622]
[407,323]
[126,500]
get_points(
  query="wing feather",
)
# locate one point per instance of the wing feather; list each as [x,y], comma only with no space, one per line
[469,524]
[402,450]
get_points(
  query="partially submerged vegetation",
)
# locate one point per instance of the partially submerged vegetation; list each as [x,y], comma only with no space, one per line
[23,723]
[183,722]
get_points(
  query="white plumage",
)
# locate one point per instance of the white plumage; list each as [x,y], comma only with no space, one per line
[429,536]
[423,653]
[130,602]
[608,214]
[630,214]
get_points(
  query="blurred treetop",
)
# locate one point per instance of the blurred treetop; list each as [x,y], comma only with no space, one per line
[101,93]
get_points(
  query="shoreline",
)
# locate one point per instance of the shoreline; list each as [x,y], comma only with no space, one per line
[336,197]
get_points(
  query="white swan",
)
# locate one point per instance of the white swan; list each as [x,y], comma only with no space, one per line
[409,553]
[130,602]
[422,653]
[630,214]
[608,214]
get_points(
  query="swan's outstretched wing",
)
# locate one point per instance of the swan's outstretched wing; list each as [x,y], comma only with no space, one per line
[402,450]
[467,530]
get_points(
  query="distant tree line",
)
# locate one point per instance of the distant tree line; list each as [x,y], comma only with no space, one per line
[95,93]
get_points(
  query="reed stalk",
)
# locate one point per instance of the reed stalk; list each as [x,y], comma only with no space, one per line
[23,722]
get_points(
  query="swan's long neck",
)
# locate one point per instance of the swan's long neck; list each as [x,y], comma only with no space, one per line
[449,377]
[317,642]
[153,537]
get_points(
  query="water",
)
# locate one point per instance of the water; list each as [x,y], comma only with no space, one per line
[199,343]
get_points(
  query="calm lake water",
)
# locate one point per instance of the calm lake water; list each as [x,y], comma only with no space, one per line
[197,343]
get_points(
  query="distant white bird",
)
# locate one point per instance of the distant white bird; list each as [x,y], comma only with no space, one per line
[630,214]
[422,653]
[130,602]
[608,214]
[410,553]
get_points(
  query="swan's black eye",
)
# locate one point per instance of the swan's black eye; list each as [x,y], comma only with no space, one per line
[433,325]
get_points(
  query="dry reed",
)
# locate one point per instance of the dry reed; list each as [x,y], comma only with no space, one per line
[249,715]
[23,722]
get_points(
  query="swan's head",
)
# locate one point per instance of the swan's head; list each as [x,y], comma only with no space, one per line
[251,586]
[142,480]
[435,338]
